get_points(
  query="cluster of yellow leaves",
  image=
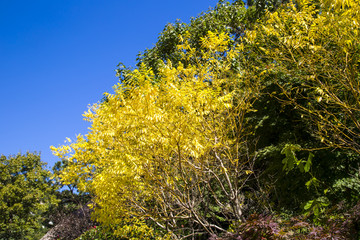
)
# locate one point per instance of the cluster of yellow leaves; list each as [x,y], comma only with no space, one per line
[304,26]
[152,144]
[319,43]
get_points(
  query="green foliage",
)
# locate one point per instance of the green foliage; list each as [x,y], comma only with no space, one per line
[274,125]
[26,194]
[225,17]
[229,17]
[290,161]
[317,206]
[315,46]
[348,188]
[99,233]
[306,53]
[301,124]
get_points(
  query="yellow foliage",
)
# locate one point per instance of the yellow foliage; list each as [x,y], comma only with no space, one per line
[318,44]
[154,146]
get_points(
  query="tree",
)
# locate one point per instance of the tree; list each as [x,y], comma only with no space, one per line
[273,123]
[231,17]
[26,194]
[173,151]
[170,151]
[317,46]
[307,52]
[226,17]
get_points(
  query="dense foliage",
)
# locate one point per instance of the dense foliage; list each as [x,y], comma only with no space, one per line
[241,112]
[316,48]
[308,55]
[26,195]
[163,148]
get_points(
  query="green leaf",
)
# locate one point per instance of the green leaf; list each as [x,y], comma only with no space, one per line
[312,181]
[308,205]
[290,158]
[308,162]
[301,167]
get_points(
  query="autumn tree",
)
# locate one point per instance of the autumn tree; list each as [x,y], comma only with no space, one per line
[231,18]
[317,44]
[170,151]
[307,53]
[273,123]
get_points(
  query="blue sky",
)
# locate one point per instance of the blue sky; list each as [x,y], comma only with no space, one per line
[59,56]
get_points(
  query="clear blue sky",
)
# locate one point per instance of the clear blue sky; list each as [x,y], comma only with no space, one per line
[59,56]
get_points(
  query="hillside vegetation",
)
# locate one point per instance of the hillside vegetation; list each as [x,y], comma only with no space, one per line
[242,124]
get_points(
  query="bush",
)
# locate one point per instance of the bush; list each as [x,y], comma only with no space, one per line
[98,232]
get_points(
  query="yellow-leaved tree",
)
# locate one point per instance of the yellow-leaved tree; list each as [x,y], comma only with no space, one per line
[312,49]
[169,153]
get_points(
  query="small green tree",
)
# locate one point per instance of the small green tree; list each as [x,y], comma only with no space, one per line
[26,193]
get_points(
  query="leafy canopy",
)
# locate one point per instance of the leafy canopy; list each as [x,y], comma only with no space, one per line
[316,45]
[164,148]
[172,150]
[25,195]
